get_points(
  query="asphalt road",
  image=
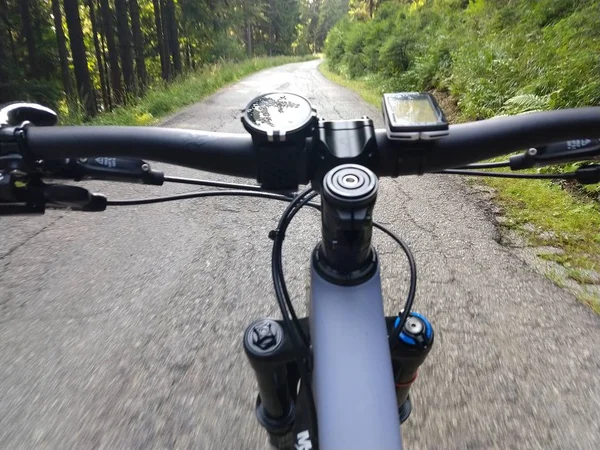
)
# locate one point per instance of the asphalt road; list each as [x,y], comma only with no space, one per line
[122,329]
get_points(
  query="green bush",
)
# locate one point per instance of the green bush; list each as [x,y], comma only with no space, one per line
[483,52]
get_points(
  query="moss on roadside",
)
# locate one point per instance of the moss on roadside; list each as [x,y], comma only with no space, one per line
[550,216]
[593,301]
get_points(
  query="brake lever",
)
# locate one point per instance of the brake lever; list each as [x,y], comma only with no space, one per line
[588,174]
[104,168]
[17,197]
[73,197]
[23,194]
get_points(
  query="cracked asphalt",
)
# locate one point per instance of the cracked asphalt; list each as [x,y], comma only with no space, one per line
[122,329]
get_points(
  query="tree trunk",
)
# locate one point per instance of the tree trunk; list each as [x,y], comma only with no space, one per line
[173,35]
[13,48]
[160,40]
[4,12]
[192,57]
[213,5]
[106,70]
[138,45]
[188,55]
[27,33]
[39,26]
[164,15]
[3,70]
[99,60]
[113,56]
[82,74]
[124,35]
[249,39]
[61,43]
[270,38]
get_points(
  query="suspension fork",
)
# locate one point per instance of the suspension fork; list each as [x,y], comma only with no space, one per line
[269,350]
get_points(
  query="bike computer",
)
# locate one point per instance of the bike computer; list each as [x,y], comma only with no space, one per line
[280,124]
[279,117]
[413,116]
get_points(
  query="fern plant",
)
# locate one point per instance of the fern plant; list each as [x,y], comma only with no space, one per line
[525,103]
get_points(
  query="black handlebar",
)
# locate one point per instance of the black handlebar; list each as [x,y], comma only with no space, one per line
[233,154]
[229,154]
[29,153]
[475,141]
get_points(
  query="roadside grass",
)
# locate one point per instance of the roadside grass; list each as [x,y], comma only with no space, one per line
[543,212]
[367,92]
[581,276]
[591,300]
[162,99]
[553,217]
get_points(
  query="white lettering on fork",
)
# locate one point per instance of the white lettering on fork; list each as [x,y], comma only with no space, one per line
[303,441]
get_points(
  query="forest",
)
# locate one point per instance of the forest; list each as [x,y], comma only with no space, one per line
[96,55]
[493,57]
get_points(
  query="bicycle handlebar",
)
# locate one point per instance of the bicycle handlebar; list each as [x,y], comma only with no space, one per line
[225,153]
[233,154]
[475,141]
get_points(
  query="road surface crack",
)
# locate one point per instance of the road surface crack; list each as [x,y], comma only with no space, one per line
[27,240]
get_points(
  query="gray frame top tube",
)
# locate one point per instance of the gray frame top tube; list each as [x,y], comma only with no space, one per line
[353,382]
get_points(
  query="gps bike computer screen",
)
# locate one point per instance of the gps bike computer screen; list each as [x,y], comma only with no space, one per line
[413,116]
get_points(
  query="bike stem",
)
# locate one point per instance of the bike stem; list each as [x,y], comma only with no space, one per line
[345,255]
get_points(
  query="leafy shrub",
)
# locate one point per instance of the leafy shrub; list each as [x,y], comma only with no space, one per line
[525,103]
[489,54]
[226,47]
[334,44]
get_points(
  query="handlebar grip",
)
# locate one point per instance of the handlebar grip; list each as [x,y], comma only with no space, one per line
[224,153]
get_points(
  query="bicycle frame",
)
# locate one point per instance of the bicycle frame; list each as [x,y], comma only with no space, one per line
[352,375]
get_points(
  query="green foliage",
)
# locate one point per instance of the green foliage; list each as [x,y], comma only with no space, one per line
[336,44]
[17,79]
[47,92]
[317,17]
[492,56]
[525,103]
[225,47]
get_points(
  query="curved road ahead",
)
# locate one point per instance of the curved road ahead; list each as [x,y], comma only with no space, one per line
[122,329]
